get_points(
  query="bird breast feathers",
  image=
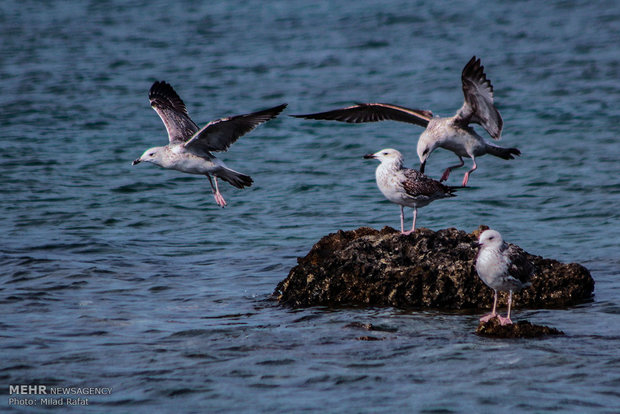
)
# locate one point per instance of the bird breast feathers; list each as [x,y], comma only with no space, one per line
[491,263]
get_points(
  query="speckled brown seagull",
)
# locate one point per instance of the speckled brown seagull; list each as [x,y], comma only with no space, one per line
[452,133]
[189,149]
[406,186]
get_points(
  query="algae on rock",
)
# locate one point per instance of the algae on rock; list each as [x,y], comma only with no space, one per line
[427,269]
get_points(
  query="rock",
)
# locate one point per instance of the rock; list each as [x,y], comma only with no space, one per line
[369,338]
[427,269]
[521,329]
[370,327]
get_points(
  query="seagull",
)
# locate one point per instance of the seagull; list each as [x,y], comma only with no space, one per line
[451,133]
[405,186]
[501,266]
[189,149]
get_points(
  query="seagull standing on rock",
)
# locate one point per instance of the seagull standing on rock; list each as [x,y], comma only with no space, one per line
[189,148]
[451,133]
[405,186]
[501,267]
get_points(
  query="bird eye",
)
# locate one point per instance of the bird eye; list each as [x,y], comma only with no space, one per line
[385,153]
[491,238]
[151,154]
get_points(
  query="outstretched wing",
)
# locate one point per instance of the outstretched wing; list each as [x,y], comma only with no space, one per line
[373,112]
[478,106]
[171,109]
[220,134]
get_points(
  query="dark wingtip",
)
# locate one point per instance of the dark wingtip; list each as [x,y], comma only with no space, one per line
[157,83]
[160,85]
[474,67]
[276,110]
[162,93]
[280,108]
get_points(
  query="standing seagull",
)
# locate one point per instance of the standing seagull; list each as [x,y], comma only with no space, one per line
[501,267]
[452,133]
[190,147]
[406,186]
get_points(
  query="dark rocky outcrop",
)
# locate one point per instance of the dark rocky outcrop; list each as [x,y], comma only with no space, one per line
[427,269]
[521,329]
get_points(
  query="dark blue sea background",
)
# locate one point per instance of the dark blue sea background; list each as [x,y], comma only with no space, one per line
[131,277]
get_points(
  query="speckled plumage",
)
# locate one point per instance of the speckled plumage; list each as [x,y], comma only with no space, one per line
[405,186]
[502,267]
[452,133]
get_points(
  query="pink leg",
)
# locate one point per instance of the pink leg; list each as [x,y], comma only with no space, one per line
[493,314]
[415,215]
[506,320]
[466,177]
[402,219]
[448,170]
[219,199]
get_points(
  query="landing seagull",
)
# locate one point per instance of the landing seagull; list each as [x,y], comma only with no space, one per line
[501,267]
[189,149]
[452,133]
[405,186]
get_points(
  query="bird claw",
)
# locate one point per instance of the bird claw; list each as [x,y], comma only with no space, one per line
[488,317]
[219,200]
[504,321]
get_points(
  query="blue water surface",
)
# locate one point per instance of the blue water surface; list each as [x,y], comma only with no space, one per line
[131,277]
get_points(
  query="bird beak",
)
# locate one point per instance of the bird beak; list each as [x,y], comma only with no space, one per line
[369,156]
[422,165]
[136,161]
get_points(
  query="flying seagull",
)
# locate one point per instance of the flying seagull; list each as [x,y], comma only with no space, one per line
[405,186]
[189,148]
[452,133]
[501,266]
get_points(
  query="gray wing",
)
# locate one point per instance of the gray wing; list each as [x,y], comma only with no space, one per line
[373,112]
[172,112]
[520,267]
[417,184]
[220,134]
[478,106]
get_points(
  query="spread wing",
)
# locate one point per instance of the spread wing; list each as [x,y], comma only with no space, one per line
[373,112]
[171,109]
[478,106]
[417,184]
[220,134]
[520,267]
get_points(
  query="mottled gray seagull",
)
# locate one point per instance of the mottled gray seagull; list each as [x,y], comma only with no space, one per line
[405,186]
[190,147]
[452,133]
[501,266]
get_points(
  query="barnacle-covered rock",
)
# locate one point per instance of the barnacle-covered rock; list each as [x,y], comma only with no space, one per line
[424,270]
